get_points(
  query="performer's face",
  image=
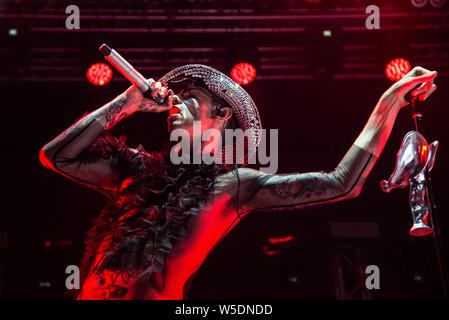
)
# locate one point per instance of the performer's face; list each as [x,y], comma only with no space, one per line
[194,103]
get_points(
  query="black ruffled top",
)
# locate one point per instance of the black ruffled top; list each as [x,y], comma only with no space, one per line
[145,218]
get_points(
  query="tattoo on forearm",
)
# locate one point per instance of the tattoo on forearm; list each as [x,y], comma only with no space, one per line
[143,106]
[293,188]
[115,112]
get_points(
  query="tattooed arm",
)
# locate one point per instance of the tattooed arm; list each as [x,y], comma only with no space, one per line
[68,154]
[281,192]
[264,192]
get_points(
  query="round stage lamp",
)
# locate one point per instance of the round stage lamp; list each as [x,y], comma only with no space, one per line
[438,3]
[397,68]
[243,73]
[418,3]
[99,74]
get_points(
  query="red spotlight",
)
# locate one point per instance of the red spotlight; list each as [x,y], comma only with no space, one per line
[397,68]
[274,240]
[243,73]
[99,74]
[438,3]
[418,3]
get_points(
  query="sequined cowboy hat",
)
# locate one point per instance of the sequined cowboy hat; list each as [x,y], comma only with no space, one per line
[226,90]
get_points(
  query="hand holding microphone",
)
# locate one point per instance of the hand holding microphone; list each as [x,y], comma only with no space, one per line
[138,102]
[145,95]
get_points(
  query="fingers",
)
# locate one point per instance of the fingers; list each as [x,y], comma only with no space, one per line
[418,71]
[417,83]
[421,89]
[170,98]
[426,79]
[430,76]
[428,93]
[423,92]
[151,84]
[169,101]
[163,92]
[157,88]
[176,100]
[419,77]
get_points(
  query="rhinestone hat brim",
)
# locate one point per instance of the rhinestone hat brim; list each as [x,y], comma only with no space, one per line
[228,90]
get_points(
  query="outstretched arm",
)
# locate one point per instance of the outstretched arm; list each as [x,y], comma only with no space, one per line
[69,154]
[294,191]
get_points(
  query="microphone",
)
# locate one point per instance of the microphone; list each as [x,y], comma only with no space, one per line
[129,72]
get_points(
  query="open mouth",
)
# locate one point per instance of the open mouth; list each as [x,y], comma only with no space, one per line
[172,115]
[173,111]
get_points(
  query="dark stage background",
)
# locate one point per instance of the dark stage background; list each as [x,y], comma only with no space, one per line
[319,109]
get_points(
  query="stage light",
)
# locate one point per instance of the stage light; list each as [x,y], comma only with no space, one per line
[418,277]
[243,73]
[12,32]
[437,3]
[418,3]
[327,33]
[293,279]
[397,68]
[44,284]
[99,74]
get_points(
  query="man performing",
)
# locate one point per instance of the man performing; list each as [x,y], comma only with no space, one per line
[162,220]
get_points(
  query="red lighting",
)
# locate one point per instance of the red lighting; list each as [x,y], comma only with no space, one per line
[280,240]
[397,68]
[424,152]
[269,252]
[243,73]
[99,74]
